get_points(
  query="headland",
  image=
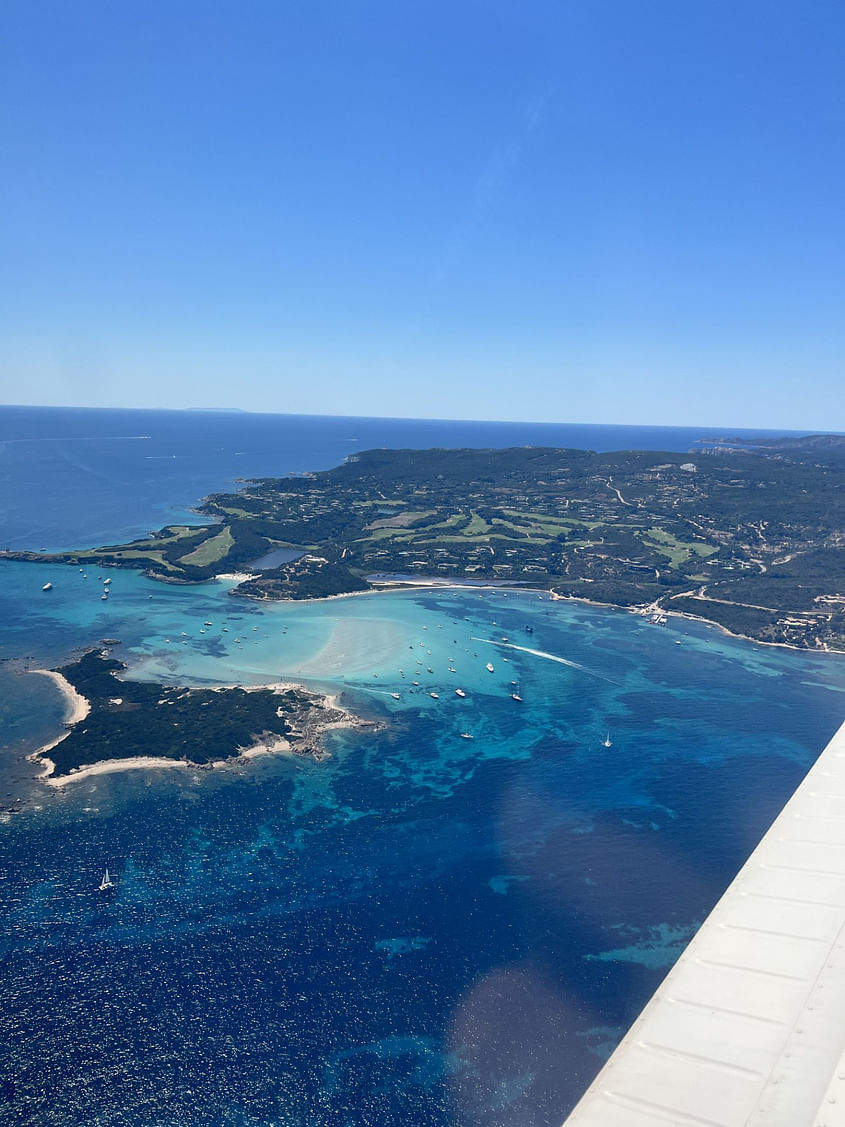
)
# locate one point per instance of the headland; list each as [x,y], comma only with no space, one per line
[748,538]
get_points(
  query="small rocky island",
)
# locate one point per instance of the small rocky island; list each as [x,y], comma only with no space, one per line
[118,723]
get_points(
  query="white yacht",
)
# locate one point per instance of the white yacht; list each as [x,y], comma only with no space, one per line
[489,667]
[47,587]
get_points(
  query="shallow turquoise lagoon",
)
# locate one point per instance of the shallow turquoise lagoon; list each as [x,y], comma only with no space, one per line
[424,928]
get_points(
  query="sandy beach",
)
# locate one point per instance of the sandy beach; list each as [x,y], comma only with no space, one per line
[235,576]
[107,767]
[269,743]
[385,585]
[76,706]
[76,709]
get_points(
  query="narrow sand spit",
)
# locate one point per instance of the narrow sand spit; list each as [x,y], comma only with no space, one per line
[107,766]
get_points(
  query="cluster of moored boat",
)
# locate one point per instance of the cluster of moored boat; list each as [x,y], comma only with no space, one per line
[461,693]
[106,582]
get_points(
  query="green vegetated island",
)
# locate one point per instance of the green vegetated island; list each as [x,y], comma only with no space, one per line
[749,536]
[128,720]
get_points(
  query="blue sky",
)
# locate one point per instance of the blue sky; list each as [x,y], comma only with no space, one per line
[623,211]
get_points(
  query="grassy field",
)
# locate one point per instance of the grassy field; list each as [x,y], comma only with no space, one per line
[450,522]
[153,557]
[232,511]
[143,547]
[477,526]
[392,534]
[678,551]
[151,550]
[400,520]
[552,526]
[378,503]
[211,550]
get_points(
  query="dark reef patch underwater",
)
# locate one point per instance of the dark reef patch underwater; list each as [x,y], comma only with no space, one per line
[423,929]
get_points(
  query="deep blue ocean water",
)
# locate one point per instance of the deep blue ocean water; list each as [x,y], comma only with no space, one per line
[70,477]
[423,929]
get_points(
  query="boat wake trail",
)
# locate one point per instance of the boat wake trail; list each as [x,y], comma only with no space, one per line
[547,657]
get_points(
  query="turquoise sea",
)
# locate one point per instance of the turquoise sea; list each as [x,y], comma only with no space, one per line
[422,929]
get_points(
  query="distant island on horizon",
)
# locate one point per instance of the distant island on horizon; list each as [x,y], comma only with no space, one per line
[747,533]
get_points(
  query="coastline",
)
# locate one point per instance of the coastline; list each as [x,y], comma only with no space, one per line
[107,767]
[232,577]
[76,704]
[433,582]
[77,708]
[329,713]
[639,610]
[454,584]
[381,585]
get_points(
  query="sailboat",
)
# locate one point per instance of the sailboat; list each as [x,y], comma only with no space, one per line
[515,694]
[106,882]
[607,740]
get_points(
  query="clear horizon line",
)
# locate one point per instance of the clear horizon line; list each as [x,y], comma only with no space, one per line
[724,428]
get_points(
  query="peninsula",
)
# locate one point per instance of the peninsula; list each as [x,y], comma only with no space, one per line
[114,723]
[747,536]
